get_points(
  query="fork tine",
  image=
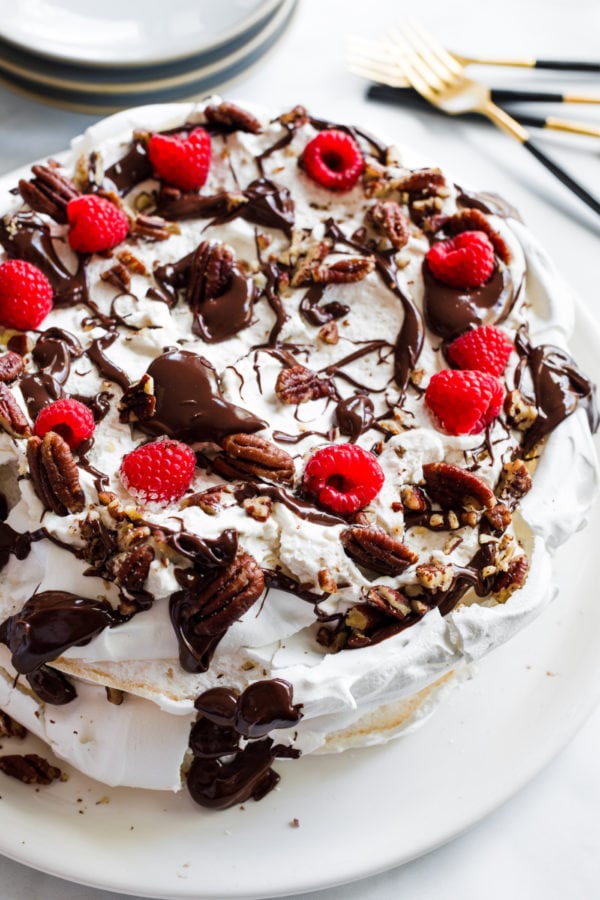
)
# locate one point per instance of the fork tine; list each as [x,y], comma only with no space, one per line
[427,56]
[417,70]
[428,42]
[419,77]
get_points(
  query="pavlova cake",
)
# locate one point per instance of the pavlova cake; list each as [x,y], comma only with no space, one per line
[282,422]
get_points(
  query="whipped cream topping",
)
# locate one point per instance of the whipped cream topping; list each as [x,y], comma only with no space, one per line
[106,345]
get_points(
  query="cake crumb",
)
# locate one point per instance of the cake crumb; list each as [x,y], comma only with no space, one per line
[295,823]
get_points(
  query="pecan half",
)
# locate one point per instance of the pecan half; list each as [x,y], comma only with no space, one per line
[344,271]
[421,182]
[12,417]
[222,599]
[452,487]
[210,274]
[54,474]
[30,768]
[250,454]
[377,550]
[48,192]
[11,365]
[387,217]
[233,118]
[138,402]
[152,228]
[134,569]
[299,385]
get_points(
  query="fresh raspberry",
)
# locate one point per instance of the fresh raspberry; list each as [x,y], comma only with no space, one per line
[69,418]
[159,472]
[485,348]
[179,160]
[464,261]
[96,224]
[464,401]
[343,477]
[25,295]
[333,159]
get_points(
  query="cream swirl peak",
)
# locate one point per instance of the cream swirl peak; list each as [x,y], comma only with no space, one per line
[320,382]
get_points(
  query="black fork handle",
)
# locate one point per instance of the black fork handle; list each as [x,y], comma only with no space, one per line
[563,176]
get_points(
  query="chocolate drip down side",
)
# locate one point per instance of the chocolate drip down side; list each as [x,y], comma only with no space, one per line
[222,772]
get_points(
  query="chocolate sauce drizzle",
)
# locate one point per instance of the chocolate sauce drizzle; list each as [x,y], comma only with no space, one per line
[559,387]
[223,773]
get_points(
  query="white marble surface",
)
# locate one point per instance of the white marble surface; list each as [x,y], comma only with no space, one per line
[544,842]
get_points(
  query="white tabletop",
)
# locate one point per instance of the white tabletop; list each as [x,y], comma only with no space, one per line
[544,842]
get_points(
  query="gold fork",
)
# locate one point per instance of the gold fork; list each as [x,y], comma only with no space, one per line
[438,77]
[377,62]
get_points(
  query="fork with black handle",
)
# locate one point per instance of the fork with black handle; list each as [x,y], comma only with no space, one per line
[438,77]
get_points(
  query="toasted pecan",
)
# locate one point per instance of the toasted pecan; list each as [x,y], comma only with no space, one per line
[453,487]
[251,454]
[377,550]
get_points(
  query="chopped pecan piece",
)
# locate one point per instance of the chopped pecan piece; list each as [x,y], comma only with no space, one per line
[209,501]
[233,118]
[413,498]
[118,276]
[11,365]
[12,417]
[134,569]
[388,217]
[506,583]
[308,261]
[11,728]
[29,768]
[329,333]
[515,480]
[435,576]
[250,454]
[499,517]
[54,474]
[211,271]
[48,192]
[519,412]
[138,402]
[344,271]
[131,262]
[327,582]
[258,508]
[389,600]
[115,696]
[376,550]
[299,385]
[453,487]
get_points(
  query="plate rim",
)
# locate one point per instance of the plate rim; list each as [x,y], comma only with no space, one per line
[265,10]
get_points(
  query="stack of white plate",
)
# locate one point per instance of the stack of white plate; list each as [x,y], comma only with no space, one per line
[100,57]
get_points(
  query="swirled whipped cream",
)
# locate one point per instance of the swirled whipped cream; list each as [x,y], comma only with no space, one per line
[325,329]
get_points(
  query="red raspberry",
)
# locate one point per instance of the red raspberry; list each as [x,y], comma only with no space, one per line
[159,472]
[179,160]
[333,159]
[464,401]
[343,477]
[485,348]
[25,295]
[69,418]
[96,224]
[464,261]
